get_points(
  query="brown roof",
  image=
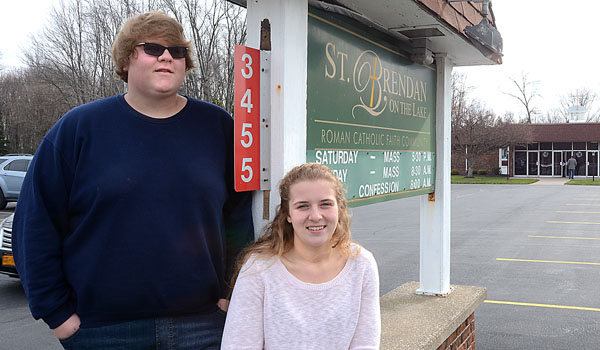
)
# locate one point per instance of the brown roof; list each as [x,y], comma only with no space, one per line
[571,132]
[458,14]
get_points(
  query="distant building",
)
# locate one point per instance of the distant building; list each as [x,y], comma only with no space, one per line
[544,152]
[577,114]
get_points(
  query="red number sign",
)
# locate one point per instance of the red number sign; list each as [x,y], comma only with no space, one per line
[247,118]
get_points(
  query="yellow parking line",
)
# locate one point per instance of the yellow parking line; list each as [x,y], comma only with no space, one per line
[573,222]
[550,261]
[542,305]
[577,212]
[587,205]
[565,237]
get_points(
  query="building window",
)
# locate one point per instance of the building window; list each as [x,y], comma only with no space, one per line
[592,145]
[593,163]
[532,146]
[580,158]
[563,146]
[579,145]
[520,163]
[546,146]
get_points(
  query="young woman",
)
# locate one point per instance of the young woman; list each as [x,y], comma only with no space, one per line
[305,284]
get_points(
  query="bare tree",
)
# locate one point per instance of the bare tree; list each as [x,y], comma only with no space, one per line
[552,116]
[204,24]
[28,109]
[460,91]
[476,130]
[526,93]
[235,34]
[509,117]
[59,53]
[215,28]
[105,18]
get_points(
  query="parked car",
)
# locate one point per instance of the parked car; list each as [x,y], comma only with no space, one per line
[8,262]
[13,168]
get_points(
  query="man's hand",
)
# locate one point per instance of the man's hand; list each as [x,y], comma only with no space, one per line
[69,327]
[223,304]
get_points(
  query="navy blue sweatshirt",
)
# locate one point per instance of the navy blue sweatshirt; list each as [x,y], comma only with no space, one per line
[122,216]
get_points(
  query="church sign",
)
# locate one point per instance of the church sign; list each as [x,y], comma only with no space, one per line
[370,111]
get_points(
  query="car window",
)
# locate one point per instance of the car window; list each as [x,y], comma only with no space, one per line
[17,165]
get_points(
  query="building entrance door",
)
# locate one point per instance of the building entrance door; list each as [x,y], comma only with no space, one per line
[566,155]
[532,163]
[545,163]
[520,163]
[558,164]
[580,169]
[592,163]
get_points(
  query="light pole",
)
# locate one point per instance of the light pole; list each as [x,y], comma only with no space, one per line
[595,170]
[507,163]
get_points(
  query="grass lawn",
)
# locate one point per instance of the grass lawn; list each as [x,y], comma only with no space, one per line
[587,182]
[459,179]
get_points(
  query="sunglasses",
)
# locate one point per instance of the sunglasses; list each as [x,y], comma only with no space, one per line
[157,50]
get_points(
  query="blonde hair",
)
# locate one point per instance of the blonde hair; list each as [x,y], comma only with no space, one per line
[147,26]
[279,233]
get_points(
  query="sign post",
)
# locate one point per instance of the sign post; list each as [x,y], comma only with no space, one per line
[247,119]
[282,25]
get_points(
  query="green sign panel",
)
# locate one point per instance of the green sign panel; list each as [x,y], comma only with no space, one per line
[371,111]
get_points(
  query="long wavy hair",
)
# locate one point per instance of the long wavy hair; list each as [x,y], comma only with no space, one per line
[279,233]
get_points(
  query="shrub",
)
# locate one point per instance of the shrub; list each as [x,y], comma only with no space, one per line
[454,172]
[496,170]
[482,172]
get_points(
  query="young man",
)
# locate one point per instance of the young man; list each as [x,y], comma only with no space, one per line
[127,221]
[571,165]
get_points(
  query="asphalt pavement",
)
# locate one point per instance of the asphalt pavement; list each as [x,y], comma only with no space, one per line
[535,248]
[18,330]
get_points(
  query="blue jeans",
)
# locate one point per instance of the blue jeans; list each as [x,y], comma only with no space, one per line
[571,173]
[174,333]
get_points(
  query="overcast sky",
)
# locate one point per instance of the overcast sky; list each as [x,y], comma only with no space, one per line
[553,42]
[18,19]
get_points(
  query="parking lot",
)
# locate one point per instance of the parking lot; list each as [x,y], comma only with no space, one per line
[535,249]
[18,330]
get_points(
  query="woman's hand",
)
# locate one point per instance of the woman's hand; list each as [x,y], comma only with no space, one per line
[69,327]
[223,304]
